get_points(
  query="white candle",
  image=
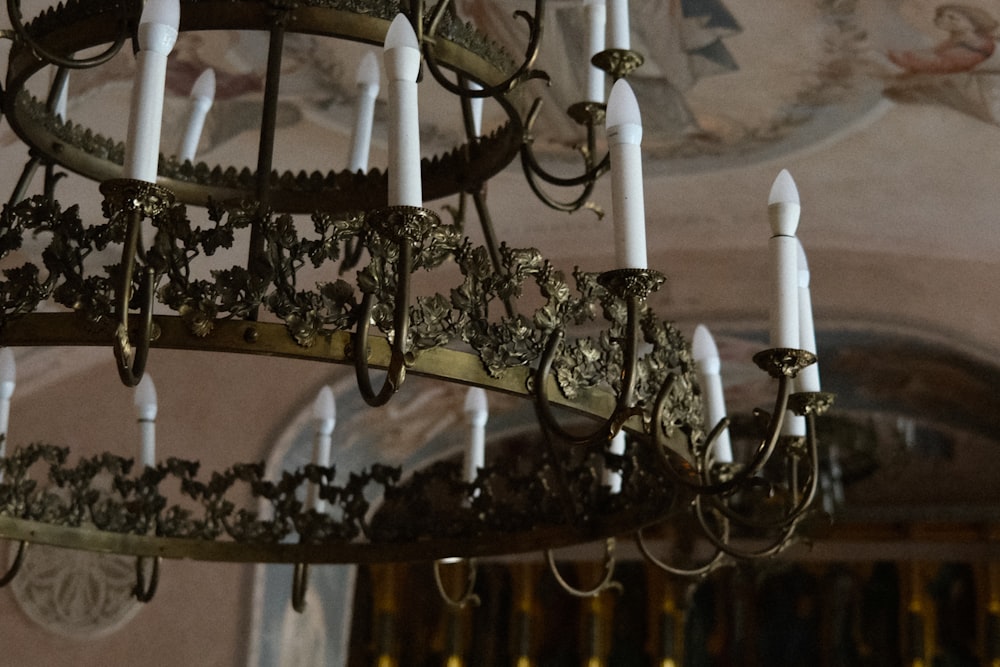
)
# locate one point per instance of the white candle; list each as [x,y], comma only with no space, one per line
[144,398]
[157,35]
[783,211]
[619,36]
[364,112]
[613,478]
[624,129]
[402,65]
[808,377]
[476,107]
[8,380]
[202,96]
[708,365]
[324,419]
[476,414]
[596,11]
[62,95]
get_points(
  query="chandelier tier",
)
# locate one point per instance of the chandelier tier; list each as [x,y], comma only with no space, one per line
[505,324]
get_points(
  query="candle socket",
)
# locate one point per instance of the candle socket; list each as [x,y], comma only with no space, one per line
[618,63]
[631,283]
[783,362]
[810,402]
[413,224]
[123,195]
[588,114]
[796,446]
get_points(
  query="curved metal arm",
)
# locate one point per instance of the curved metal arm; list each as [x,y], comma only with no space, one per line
[523,73]
[785,538]
[401,327]
[605,584]
[300,584]
[15,567]
[760,458]
[14,12]
[468,596]
[132,358]
[592,171]
[623,405]
[144,592]
[698,571]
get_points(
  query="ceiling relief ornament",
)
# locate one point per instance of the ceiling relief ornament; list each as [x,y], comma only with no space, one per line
[76,594]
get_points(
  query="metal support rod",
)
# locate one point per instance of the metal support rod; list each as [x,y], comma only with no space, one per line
[265,149]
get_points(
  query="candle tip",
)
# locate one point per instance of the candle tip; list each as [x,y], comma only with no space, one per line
[703,344]
[144,398]
[204,85]
[162,12]
[401,34]
[623,108]
[783,191]
[368,70]
[324,407]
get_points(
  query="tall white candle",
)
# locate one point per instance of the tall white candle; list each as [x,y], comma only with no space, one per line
[402,65]
[783,211]
[157,35]
[476,414]
[202,96]
[596,11]
[808,378]
[364,112]
[708,365]
[619,35]
[613,478]
[624,129]
[8,380]
[324,420]
[144,398]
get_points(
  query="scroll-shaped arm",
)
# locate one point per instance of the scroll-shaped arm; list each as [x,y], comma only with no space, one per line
[144,591]
[523,73]
[300,584]
[604,584]
[713,562]
[401,326]
[15,567]
[14,12]
[468,595]
[132,357]
[782,364]
[633,286]
[535,174]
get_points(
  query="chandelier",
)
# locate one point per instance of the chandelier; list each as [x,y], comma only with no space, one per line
[630,417]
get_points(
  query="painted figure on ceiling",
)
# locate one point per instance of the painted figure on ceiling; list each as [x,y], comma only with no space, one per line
[962,71]
[682,42]
[971,40]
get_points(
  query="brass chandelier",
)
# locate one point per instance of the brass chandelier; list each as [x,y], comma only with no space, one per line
[637,376]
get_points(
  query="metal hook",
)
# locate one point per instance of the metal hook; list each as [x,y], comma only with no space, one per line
[468,596]
[605,584]
[15,567]
[623,405]
[132,358]
[144,592]
[698,571]
[401,315]
[14,13]
[300,584]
